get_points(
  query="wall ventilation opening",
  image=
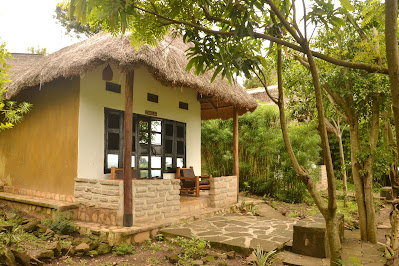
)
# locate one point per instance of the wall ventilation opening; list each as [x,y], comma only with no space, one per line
[109,86]
[183,105]
[152,98]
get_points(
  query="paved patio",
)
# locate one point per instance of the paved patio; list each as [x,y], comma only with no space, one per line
[270,230]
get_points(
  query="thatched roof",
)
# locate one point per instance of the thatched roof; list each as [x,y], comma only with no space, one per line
[261,95]
[167,62]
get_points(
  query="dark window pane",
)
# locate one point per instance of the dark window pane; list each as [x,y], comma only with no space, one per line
[113,120]
[152,98]
[109,86]
[183,105]
[113,141]
[134,144]
[180,131]
[144,149]
[169,130]
[168,146]
[180,147]
[156,150]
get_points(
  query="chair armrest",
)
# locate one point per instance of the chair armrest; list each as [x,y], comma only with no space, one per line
[206,176]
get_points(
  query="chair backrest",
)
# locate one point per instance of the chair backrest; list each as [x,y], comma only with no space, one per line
[117,173]
[185,172]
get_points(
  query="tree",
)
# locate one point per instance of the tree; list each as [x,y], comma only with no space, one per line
[228,38]
[11,112]
[71,24]
[39,50]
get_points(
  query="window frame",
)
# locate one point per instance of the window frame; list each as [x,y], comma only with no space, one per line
[136,144]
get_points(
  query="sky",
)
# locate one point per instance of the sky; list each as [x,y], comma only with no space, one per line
[26,23]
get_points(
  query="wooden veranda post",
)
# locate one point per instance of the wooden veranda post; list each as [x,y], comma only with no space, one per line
[235,148]
[127,151]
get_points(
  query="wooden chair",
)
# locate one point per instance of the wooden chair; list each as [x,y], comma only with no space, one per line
[117,173]
[191,183]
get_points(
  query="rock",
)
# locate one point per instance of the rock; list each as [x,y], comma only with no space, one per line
[251,258]
[209,258]
[78,241]
[45,255]
[22,257]
[172,258]
[41,228]
[31,226]
[94,245]
[103,248]
[6,228]
[92,253]
[10,215]
[83,247]
[49,232]
[7,257]
[65,248]
[56,248]
[63,237]
[198,262]
[231,254]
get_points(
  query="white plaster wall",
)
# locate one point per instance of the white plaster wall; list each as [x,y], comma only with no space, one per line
[94,97]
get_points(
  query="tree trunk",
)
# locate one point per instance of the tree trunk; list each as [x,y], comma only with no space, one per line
[343,170]
[392,54]
[329,213]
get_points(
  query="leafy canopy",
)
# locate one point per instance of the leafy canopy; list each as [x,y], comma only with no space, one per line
[10,111]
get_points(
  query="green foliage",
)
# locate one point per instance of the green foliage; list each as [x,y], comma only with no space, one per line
[264,258]
[71,24]
[193,248]
[265,168]
[123,249]
[10,111]
[63,224]
[39,50]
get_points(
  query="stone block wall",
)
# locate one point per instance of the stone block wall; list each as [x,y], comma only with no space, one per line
[101,201]
[223,191]
[154,200]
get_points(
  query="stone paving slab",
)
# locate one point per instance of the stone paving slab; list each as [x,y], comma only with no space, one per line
[239,232]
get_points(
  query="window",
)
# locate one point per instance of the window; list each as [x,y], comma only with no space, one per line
[158,145]
[183,105]
[109,86]
[152,98]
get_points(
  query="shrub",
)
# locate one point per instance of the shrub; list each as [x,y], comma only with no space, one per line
[123,249]
[63,224]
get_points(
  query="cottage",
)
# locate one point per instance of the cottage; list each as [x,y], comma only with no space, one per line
[75,131]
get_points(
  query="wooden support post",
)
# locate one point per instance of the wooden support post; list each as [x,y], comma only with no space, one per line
[127,152]
[235,148]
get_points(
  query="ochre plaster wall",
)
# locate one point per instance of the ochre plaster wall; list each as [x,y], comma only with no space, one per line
[41,153]
[94,97]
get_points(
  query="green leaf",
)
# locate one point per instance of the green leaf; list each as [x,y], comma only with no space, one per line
[217,71]
[347,5]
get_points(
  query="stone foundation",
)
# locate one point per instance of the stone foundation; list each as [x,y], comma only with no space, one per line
[101,200]
[154,200]
[39,194]
[223,191]
[35,211]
